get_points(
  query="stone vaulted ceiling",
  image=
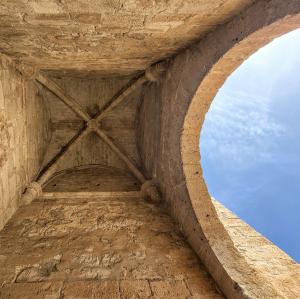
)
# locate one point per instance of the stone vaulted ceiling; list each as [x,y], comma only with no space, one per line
[108,37]
[100,142]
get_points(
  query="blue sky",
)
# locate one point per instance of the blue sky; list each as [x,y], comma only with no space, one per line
[250,143]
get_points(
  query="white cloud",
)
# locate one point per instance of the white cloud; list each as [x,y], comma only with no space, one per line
[250,114]
[240,128]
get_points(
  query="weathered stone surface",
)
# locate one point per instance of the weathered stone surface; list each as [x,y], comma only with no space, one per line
[106,37]
[262,254]
[86,290]
[91,235]
[171,117]
[103,248]
[33,290]
[139,289]
[24,135]
[170,289]
[92,178]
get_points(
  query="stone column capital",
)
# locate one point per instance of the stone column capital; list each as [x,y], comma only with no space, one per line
[154,72]
[28,71]
[31,193]
[149,190]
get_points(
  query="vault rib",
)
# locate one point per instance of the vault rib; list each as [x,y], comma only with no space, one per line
[121,155]
[122,96]
[50,168]
[59,92]
[92,124]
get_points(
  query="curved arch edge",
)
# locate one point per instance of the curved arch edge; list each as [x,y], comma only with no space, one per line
[242,39]
[173,160]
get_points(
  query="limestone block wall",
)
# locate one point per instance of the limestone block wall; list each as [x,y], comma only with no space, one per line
[24,135]
[261,253]
[170,148]
[98,248]
[149,128]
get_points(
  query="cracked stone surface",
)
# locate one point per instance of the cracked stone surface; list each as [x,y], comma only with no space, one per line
[98,248]
[20,158]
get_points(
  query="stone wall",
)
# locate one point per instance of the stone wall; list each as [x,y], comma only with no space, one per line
[86,248]
[149,128]
[170,150]
[262,254]
[24,136]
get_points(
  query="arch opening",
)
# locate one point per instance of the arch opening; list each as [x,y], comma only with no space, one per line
[250,142]
[243,38]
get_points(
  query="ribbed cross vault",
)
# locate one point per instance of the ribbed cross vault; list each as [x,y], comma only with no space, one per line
[93,125]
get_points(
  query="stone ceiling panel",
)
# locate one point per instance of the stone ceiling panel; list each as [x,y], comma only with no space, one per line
[109,36]
[93,95]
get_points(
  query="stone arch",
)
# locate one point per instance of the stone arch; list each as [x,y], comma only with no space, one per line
[210,62]
[88,178]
